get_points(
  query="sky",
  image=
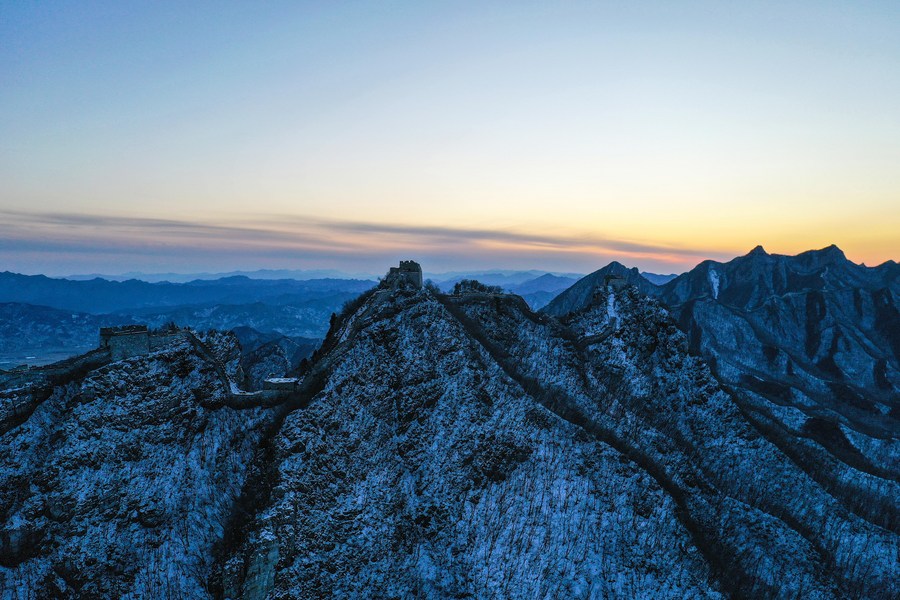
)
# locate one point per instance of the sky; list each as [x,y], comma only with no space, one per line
[185,137]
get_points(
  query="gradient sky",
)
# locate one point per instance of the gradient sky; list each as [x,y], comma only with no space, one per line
[218,136]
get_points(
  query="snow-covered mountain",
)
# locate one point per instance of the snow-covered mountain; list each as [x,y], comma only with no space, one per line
[441,446]
[809,347]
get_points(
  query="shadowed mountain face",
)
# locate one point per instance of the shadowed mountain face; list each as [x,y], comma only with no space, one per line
[813,331]
[808,329]
[582,292]
[809,346]
[817,322]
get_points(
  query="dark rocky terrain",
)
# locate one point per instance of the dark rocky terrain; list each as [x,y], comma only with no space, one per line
[443,446]
[809,347]
[122,480]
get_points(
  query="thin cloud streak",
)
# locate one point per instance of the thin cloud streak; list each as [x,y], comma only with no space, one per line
[309,239]
[512,237]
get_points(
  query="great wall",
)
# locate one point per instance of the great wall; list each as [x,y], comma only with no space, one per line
[116,344]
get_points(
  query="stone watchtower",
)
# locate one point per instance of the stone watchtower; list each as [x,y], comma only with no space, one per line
[408,273]
[125,341]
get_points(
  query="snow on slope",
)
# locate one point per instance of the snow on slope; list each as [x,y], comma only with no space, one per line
[422,470]
[119,486]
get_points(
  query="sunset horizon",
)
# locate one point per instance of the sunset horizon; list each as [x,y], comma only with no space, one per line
[424,300]
[480,136]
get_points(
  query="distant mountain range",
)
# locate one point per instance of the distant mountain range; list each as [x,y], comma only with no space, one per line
[97,296]
[536,287]
[297,274]
[658,279]
[493,277]
[732,433]
[43,319]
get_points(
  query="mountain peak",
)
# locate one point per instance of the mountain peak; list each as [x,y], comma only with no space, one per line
[833,250]
[581,294]
[617,268]
[827,255]
[758,251]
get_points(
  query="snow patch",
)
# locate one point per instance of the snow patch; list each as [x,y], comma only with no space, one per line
[714,283]
[611,308]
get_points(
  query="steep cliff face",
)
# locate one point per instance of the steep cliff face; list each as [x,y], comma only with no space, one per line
[118,485]
[822,326]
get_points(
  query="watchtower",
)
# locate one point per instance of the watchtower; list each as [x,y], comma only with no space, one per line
[125,341]
[408,273]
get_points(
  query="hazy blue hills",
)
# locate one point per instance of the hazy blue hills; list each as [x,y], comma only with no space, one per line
[298,274]
[657,279]
[44,319]
[505,279]
[99,296]
[536,287]
[38,334]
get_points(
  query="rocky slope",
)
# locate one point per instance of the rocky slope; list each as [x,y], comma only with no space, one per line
[422,469]
[465,446]
[581,293]
[624,366]
[119,484]
[824,325]
[809,345]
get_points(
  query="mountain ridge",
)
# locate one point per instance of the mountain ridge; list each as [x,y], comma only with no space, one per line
[808,345]
[464,445]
